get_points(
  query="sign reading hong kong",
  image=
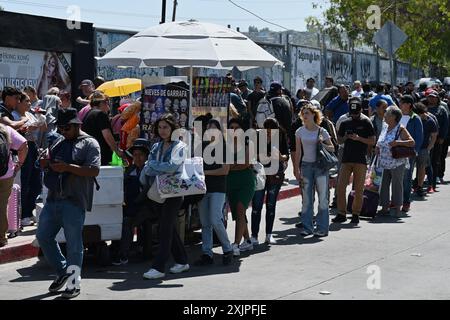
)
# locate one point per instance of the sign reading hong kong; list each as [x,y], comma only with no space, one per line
[40,69]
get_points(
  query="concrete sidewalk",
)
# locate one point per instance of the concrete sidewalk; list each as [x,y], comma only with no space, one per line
[387,258]
[21,248]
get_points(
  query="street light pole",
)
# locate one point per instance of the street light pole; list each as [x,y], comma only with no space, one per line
[174,14]
[163,13]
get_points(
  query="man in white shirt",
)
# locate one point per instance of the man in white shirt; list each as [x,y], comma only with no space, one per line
[311,91]
[358,89]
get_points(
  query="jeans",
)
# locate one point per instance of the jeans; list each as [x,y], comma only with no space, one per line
[315,178]
[211,217]
[31,181]
[54,216]
[407,181]
[359,175]
[169,240]
[257,205]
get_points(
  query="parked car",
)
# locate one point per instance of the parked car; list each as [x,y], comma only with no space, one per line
[429,81]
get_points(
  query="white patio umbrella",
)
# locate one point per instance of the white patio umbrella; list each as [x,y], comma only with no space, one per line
[190,44]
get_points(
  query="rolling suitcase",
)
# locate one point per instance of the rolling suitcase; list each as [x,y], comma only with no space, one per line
[14,212]
[370,203]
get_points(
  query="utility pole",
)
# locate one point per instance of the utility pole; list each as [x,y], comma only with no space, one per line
[174,14]
[163,13]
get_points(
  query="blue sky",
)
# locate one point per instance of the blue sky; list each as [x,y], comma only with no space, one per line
[139,14]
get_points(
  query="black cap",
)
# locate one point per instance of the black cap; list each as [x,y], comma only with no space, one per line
[140,143]
[407,99]
[242,83]
[67,116]
[275,86]
[355,106]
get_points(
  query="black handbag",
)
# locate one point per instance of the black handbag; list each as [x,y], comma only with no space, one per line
[400,152]
[325,159]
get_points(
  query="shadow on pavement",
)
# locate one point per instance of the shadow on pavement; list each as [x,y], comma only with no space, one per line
[293,237]
[292,220]
[340,226]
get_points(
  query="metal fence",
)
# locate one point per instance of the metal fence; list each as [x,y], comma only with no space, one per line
[301,63]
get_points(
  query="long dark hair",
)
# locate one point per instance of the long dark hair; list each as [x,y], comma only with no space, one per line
[169,119]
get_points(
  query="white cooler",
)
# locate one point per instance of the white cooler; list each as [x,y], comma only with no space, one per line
[107,205]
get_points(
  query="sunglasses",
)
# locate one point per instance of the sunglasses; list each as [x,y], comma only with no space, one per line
[67,127]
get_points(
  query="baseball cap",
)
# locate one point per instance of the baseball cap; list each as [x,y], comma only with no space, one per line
[275,86]
[86,82]
[431,93]
[140,143]
[242,83]
[355,106]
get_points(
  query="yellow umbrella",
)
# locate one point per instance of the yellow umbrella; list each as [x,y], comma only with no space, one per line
[121,87]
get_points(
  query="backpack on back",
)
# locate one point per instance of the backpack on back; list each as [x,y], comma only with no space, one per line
[264,111]
[4,154]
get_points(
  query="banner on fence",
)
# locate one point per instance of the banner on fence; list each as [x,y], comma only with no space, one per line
[366,67]
[305,64]
[339,66]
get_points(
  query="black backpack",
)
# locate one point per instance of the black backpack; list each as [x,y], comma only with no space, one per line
[4,154]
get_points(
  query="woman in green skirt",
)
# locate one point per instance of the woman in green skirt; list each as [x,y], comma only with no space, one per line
[241,183]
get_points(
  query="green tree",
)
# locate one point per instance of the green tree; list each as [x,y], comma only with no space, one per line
[427,24]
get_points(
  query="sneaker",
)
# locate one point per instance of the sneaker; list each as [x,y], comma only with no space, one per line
[26,222]
[227,258]
[58,283]
[430,190]
[397,213]
[420,192]
[153,274]
[236,250]
[205,260]
[71,293]
[340,218]
[254,241]
[319,234]
[440,180]
[179,268]
[299,225]
[383,212]
[246,246]
[120,262]
[355,219]
[406,207]
[270,239]
[305,233]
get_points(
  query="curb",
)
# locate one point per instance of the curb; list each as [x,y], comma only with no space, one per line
[18,253]
[28,251]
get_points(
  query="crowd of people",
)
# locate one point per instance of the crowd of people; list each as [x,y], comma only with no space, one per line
[63,146]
